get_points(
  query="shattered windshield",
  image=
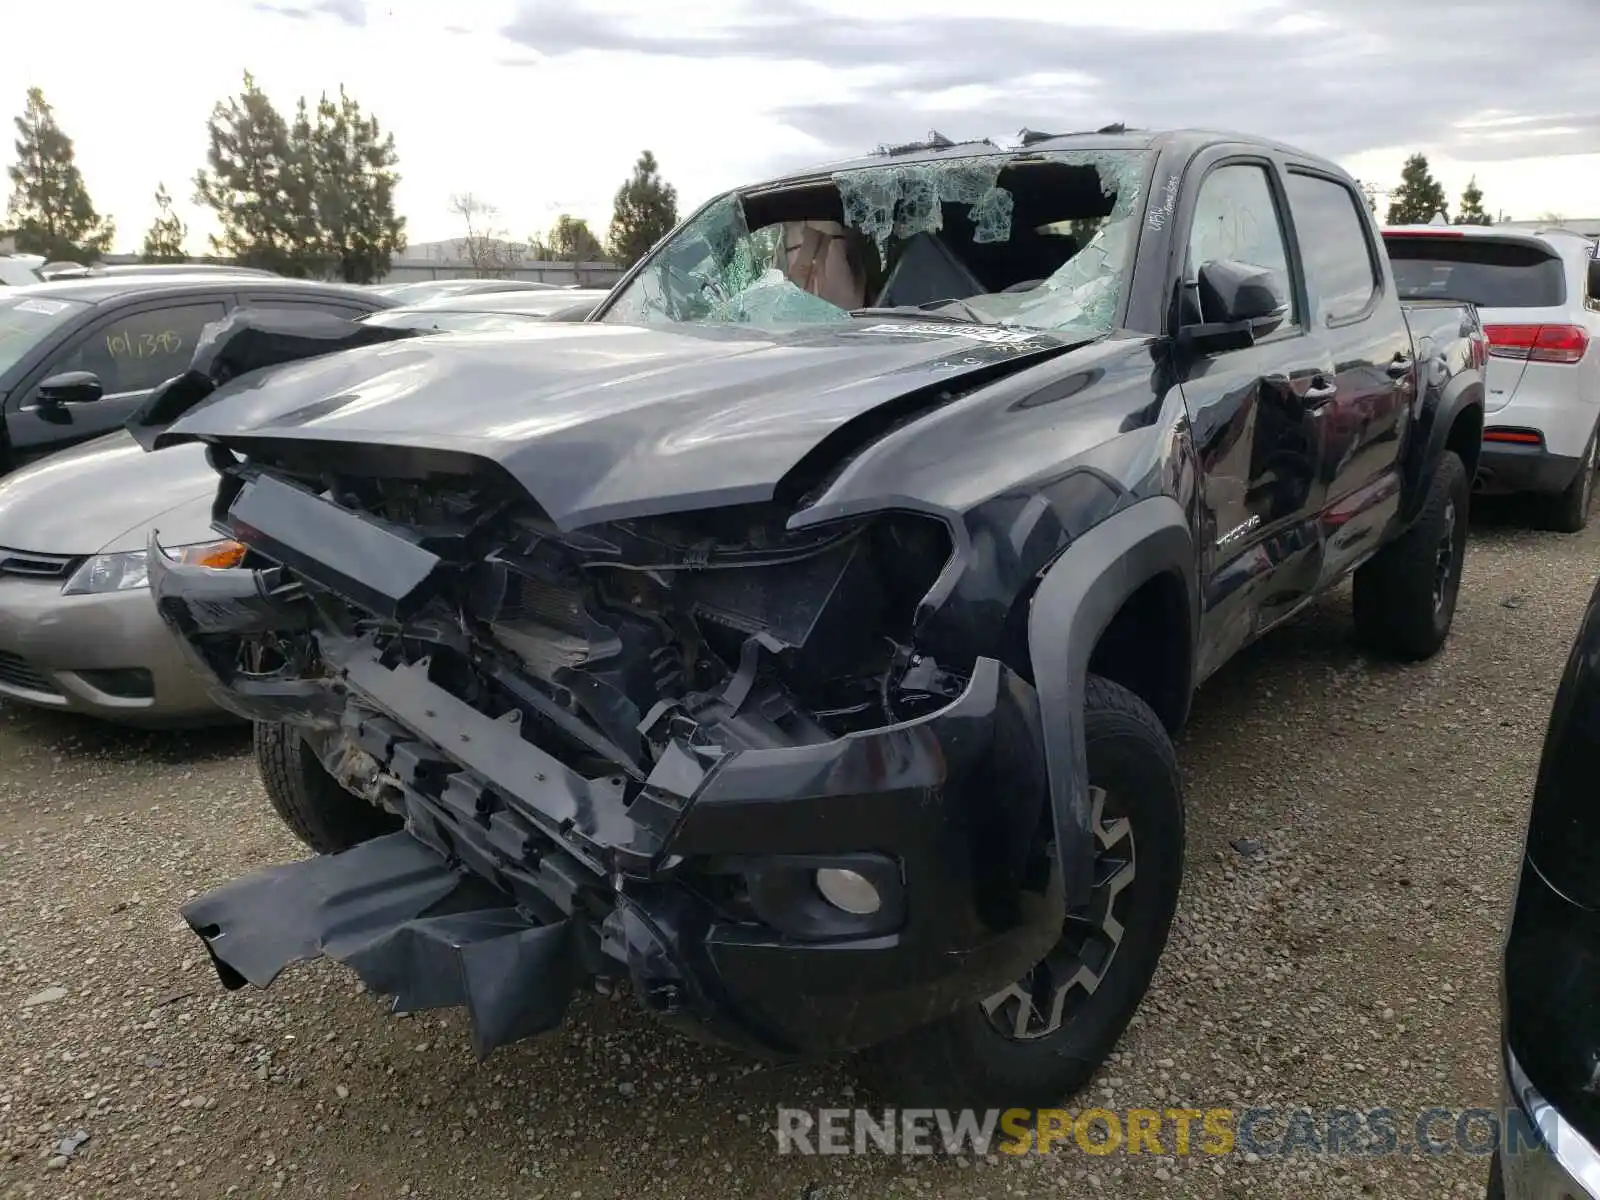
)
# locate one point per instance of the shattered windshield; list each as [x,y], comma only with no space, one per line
[1031,240]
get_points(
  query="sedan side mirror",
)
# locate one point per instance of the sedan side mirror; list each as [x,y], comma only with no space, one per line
[71,387]
[1243,302]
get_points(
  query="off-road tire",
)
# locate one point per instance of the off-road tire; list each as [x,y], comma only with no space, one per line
[965,1060]
[309,800]
[1568,511]
[1403,607]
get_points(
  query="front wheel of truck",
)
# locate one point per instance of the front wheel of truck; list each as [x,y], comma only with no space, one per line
[1039,1040]
[310,801]
[1405,595]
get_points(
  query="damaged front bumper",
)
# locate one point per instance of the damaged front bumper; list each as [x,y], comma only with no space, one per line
[517,880]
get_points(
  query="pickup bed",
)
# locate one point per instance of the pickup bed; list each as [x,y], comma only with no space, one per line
[800,640]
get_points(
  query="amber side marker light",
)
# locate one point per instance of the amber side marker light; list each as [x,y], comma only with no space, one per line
[221,554]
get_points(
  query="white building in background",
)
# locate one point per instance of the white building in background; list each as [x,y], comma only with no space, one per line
[1587,226]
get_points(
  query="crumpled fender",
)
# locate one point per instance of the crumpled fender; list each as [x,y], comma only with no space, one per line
[1462,392]
[1073,605]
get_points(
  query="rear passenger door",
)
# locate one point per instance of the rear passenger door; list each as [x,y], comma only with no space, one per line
[1359,323]
[130,350]
[1247,409]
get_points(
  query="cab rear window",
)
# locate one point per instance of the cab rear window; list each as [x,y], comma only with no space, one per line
[1482,271]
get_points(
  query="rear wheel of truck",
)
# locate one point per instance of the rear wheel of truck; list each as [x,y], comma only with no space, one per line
[309,800]
[1039,1040]
[1568,512]
[1405,595]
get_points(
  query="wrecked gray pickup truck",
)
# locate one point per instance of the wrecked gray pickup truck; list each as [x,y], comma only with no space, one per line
[800,639]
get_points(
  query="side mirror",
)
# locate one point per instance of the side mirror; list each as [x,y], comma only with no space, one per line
[71,387]
[1243,303]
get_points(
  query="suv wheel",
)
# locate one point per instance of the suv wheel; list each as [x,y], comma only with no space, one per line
[309,800]
[1040,1039]
[1569,511]
[1405,595]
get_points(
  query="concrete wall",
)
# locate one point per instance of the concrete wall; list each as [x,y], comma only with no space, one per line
[411,269]
[594,274]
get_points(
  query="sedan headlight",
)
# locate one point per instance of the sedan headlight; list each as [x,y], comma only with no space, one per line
[129,570]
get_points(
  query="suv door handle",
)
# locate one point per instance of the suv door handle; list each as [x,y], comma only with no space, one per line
[1400,367]
[1319,394]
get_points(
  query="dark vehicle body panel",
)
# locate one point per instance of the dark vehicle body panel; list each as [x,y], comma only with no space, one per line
[29,431]
[599,422]
[1551,966]
[1217,493]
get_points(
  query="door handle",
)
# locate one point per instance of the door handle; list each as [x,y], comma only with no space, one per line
[1319,394]
[1400,367]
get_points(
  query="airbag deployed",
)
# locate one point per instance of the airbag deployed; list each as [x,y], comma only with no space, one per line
[393,911]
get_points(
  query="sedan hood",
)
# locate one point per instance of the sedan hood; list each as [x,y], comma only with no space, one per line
[599,422]
[105,492]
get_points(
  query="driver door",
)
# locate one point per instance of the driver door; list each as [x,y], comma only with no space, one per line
[1248,412]
[130,351]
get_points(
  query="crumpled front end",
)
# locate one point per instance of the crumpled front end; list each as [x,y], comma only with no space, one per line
[700,754]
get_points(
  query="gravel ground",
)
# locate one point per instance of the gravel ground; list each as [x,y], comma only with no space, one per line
[1354,830]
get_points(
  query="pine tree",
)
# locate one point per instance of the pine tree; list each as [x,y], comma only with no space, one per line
[344,196]
[250,181]
[50,212]
[1471,210]
[644,212]
[1419,198]
[163,241]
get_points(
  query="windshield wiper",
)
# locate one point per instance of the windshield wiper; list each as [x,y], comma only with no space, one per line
[966,316]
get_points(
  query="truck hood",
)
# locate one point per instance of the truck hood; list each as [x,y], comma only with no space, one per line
[103,495]
[599,422]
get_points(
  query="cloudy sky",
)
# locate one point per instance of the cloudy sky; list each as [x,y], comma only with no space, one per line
[541,106]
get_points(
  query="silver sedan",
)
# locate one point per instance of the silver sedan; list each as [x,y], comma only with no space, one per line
[78,630]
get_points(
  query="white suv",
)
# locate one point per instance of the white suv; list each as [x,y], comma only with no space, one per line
[20,270]
[1538,293]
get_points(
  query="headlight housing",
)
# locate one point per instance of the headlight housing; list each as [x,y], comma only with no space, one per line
[129,569]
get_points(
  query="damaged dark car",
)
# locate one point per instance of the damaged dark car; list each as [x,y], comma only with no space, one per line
[800,640]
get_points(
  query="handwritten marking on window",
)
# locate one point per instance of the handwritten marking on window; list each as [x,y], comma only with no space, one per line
[128,344]
[1162,213]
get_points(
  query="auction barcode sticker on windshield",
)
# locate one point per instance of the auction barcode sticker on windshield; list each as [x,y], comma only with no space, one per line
[976,333]
[46,308]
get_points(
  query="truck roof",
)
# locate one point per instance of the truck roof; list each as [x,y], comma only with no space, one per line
[1112,137]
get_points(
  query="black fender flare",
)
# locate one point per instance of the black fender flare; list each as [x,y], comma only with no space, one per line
[1461,393]
[1080,593]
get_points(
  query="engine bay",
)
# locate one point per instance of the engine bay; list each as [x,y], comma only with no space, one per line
[719,629]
